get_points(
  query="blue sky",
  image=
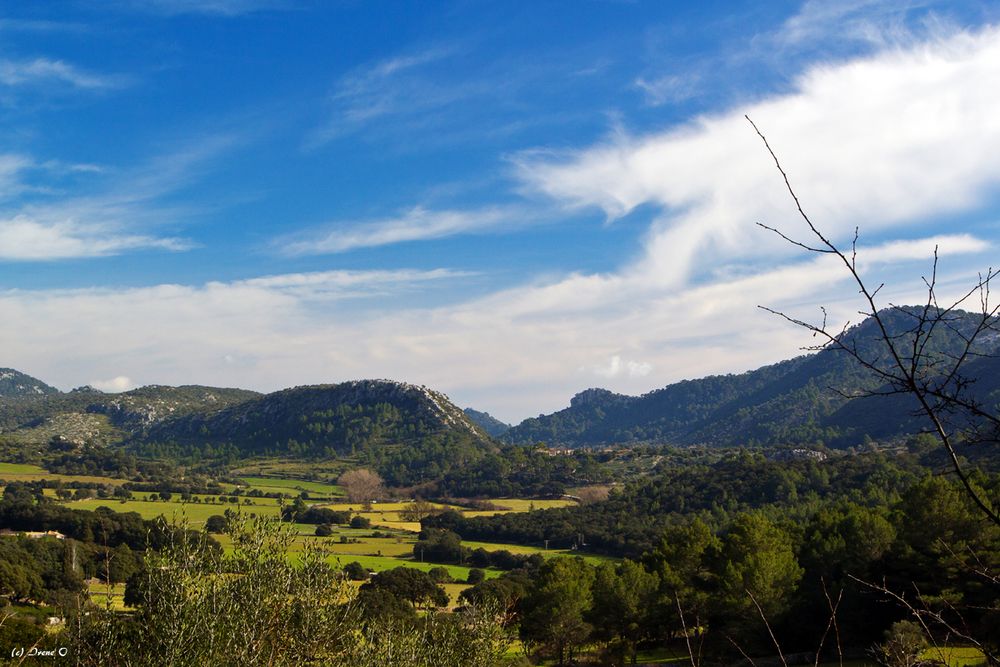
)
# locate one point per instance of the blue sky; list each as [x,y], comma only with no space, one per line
[509,202]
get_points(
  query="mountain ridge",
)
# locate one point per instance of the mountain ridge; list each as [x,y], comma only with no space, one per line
[796,401]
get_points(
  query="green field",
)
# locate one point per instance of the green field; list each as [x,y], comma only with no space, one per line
[100,593]
[23,472]
[293,486]
[194,513]
[394,548]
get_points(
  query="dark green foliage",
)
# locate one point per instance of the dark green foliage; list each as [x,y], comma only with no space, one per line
[413,586]
[355,571]
[476,575]
[439,575]
[216,524]
[625,598]
[516,471]
[487,422]
[408,433]
[556,609]
[324,530]
[631,521]
[358,521]
[438,546]
[797,401]
[23,510]
[16,384]
[17,631]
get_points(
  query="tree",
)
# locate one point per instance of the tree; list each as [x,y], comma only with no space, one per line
[440,575]
[216,524]
[758,574]
[355,571]
[908,361]
[624,596]
[253,606]
[682,563]
[408,584]
[555,611]
[943,360]
[417,510]
[362,485]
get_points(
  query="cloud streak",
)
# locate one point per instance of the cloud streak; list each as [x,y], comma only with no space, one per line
[894,143]
[865,141]
[24,239]
[417,224]
[125,205]
[46,72]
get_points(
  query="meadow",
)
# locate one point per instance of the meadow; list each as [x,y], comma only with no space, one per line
[23,472]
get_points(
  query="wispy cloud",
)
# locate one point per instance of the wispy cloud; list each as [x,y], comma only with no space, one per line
[616,367]
[40,26]
[391,87]
[873,22]
[24,239]
[113,385]
[669,88]
[117,215]
[896,143]
[416,224]
[227,8]
[45,71]
[868,140]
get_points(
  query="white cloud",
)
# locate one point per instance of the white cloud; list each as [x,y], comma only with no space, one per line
[894,143]
[881,142]
[669,88]
[43,71]
[616,367]
[24,239]
[875,22]
[390,87]
[114,385]
[417,224]
[116,215]
[226,8]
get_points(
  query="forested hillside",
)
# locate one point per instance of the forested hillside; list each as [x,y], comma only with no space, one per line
[802,400]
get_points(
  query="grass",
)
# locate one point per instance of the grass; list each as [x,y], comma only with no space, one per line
[99,594]
[195,513]
[661,656]
[956,656]
[271,484]
[380,563]
[24,472]
[375,553]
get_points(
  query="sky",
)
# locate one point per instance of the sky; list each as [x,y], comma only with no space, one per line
[509,202]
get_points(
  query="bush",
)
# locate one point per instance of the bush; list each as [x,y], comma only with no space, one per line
[324,530]
[216,524]
[359,521]
[355,571]
[476,575]
[440,575]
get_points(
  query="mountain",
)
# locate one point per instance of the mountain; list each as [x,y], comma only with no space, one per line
[801,400]
[408,432]
[127,412]
[17,384]
[487,422]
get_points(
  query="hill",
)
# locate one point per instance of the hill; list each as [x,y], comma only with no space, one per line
[487,422]
[16,384]
[60,415]
[410,433]
[802,400]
